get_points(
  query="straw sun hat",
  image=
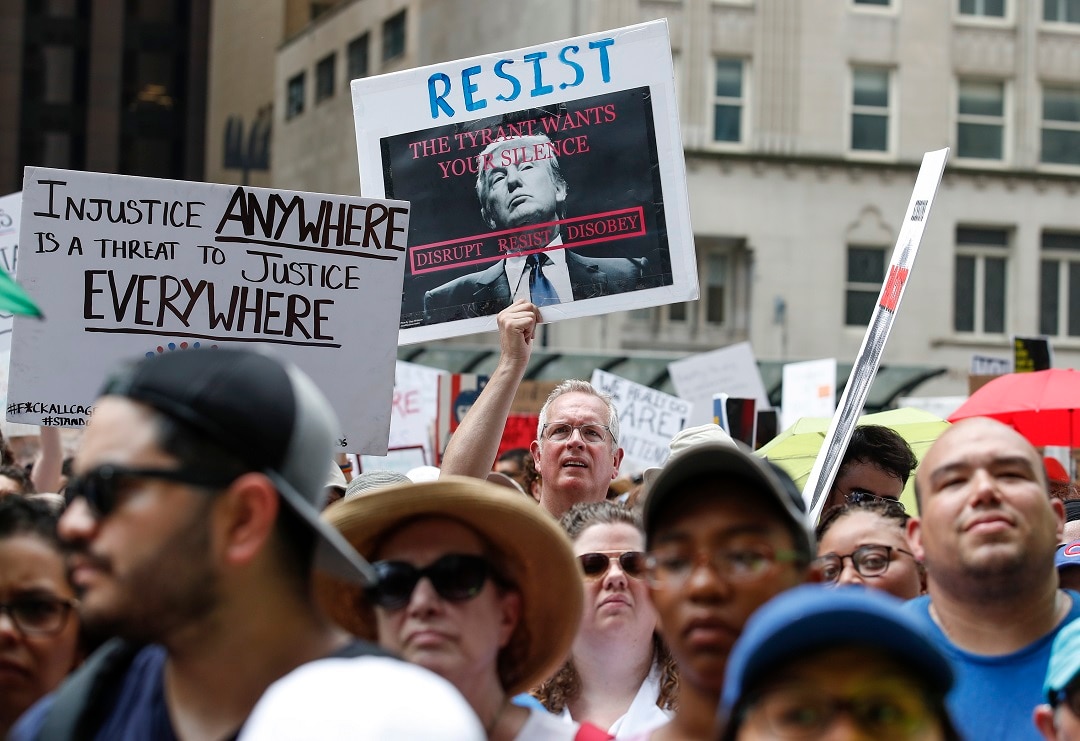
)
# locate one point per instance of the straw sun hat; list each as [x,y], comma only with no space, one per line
[530,549]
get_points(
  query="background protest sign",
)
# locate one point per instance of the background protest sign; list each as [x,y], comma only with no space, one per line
[602,109]
[809,390]
[416,403]
[648,419]
[125,267]
[10,207]
[731,370]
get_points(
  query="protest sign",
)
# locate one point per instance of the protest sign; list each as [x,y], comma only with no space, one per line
[809,390]
[10,207]
[730,370]
[1032,354]
[457,393]
[648,419]
[126,267]
[570,151]
[416,403]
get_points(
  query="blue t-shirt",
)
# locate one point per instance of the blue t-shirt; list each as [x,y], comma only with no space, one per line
[994,696]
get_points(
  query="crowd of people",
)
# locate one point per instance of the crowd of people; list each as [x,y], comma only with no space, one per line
[194,583]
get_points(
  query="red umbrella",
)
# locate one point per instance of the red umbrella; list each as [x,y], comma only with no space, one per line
[1038,405]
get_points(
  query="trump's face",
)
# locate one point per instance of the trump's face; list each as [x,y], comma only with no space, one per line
[517,191]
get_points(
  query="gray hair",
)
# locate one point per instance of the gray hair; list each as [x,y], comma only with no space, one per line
[574,386]
[533,139]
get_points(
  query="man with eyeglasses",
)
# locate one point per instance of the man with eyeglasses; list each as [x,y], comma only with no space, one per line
[987,531]
[1058,719]
[576,450]
[193,524]
[876,465]
[725,531]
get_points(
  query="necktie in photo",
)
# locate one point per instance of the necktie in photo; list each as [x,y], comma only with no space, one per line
[540,288]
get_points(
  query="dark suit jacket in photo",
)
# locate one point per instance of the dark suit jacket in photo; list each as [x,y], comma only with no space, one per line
[488,291]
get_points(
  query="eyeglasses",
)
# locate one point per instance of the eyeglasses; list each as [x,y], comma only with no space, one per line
[101,486]
[590,433]
[894,712]
[39,615]
[868,560]
[456,577]
[596,565]
[669,569]
[862,496]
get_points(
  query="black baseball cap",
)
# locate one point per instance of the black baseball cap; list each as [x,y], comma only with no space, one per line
[266,413]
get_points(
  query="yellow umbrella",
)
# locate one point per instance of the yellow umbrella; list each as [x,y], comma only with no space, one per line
[795,449]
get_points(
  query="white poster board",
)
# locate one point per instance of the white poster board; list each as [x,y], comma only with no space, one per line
[570,150]
[416,404]
[809,390]
[10,208]
[125,267]
[731,370]
[648,419]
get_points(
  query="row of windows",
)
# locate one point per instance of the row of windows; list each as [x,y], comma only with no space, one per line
[982,122]
[1054,11]
[980,288]
[357,64]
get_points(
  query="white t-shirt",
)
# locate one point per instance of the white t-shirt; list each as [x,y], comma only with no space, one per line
[543,726]
[369,697]
[643,714]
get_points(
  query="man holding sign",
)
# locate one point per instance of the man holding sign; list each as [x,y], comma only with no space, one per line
[577,448]
[522,195]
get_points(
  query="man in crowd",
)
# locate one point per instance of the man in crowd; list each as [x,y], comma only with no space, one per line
[519,184]
[725,531]
[876,465]
[512,464]
[987,531]
[193,525]
[1058,719]
[577,449]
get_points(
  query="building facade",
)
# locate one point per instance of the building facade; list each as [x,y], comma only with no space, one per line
[803,122]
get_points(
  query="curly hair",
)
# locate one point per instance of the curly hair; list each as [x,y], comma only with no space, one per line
[886,509]
[565,686]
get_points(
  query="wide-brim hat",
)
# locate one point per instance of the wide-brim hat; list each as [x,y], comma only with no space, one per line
[533,552]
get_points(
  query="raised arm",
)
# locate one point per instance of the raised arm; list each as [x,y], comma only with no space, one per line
[50,459]
[473,447]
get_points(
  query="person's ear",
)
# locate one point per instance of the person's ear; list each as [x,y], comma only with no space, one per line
[914,536]
[245,515]
[618,462]
[510,615]
[1043,717]
[1059,514]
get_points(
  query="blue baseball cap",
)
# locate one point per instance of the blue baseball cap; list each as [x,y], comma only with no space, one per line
[811,617]
[1064,662]
[1067,555]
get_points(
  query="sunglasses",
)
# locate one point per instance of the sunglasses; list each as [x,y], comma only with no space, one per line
[101,486]
[862,496]
[596,565]
[456,577]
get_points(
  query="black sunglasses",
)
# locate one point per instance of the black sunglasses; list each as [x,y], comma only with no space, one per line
[100,487]
[456,577]
[596,565]
[862,496]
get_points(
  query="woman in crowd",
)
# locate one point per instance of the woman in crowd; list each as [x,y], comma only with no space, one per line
[866,543]
[476,584]
[620,675]
[39,632]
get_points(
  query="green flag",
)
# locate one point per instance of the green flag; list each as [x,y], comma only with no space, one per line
[14,299]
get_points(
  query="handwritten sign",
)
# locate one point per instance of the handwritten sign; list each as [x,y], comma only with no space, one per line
[416,403]
[730,370]
[10,208]
[126,267]
[570,151]
[648,419]
[809,390]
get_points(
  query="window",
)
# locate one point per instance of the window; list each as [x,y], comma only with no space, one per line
[1061,11]
[1061,125]
[981,266]
[393,37]
[1059,285]
[873,2]
[712,307]
[980,120]
[357,53]
[728,101]
[870,110]
[987,8]
[294,98]
[865,274]
[324,77]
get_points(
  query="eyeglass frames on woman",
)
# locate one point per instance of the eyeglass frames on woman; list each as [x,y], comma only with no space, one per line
[869,560]
[596,565]
[669,569]
[101,486]
[456,577]
[38,615]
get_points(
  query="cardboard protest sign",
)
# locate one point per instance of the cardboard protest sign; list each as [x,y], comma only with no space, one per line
[648,419]
[809,390]
[731,370]
[569,151]
[126,267]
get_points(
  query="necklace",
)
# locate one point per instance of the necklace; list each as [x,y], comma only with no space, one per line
[496,718]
